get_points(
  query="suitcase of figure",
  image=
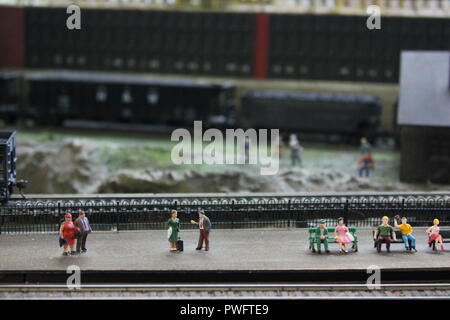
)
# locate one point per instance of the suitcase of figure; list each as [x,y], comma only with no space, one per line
[180,245]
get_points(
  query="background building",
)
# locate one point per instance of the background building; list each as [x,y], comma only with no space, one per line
[424,116]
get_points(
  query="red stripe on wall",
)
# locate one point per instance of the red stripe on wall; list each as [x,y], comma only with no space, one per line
[261,46]
[12,37]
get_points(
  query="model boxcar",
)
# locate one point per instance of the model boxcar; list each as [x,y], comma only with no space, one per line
[348,115]
[56,97]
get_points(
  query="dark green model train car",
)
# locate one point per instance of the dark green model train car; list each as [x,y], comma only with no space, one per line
[56,97]
[347,115]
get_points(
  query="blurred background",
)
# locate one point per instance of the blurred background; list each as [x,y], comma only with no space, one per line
[358,109]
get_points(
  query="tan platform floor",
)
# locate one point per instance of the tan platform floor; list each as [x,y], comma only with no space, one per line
[255,249]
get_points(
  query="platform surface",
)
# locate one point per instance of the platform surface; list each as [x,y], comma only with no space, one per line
[246,249]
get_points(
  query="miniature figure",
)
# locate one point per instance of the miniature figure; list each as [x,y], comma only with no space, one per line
[205,227]
[341,235]
[365,163]
[406,230]
[321,235]
[434,236]
[173,225]
[247,149]
[67,232]
[365,146]
[84,228]
[295,148]
[384,234]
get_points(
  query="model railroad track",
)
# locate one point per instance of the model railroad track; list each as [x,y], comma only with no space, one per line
[228,291]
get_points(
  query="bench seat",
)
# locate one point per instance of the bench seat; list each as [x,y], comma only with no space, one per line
[312,237]
[445,233]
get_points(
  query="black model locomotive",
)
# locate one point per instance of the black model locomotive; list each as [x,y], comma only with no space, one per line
[7,164]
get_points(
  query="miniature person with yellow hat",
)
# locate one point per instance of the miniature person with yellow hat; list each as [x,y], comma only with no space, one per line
[406,230]
[433,235]
[384,234]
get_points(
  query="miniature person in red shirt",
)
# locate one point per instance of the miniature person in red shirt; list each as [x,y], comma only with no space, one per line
[365,164]
[67,231]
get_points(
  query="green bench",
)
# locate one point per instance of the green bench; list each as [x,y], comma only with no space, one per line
[312,238]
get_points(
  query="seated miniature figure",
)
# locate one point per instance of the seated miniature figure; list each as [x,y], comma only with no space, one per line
[321,235]
[434,236]
[406,230]
[342,236]
[384,234]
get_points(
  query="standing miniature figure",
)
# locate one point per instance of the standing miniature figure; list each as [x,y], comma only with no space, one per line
[384,234]
[247,149]
[340,233]
[82,224]
[173,225]
[321,235]
[67,232]
[365,146]
[434,236]
[365,163]
[296,149]
[205,227]
[406,230]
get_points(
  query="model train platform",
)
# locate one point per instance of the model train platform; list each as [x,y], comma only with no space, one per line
[235,255]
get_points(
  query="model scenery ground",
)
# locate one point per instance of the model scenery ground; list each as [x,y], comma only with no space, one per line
[62,161]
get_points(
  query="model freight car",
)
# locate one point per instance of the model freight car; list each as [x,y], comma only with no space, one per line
[55,97]
[106,99]
[348,115]
[7,164]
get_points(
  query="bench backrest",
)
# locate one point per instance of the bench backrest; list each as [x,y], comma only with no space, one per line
[352,230]
[445,233]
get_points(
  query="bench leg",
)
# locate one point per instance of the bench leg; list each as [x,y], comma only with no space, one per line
[312,246]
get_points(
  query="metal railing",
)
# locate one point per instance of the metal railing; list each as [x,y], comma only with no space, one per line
[144,212]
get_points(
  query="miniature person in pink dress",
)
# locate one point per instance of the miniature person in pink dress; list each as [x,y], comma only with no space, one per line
[340,233]
[434,236]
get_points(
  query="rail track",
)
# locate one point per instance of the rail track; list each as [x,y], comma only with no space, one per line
[396,291]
